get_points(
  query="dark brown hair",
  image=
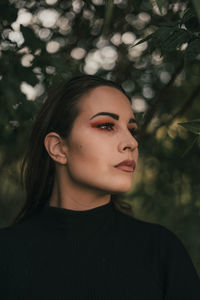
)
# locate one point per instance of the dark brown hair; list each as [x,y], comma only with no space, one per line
[57,114]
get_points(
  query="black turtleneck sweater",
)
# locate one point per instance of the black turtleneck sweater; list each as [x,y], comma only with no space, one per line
[97,254]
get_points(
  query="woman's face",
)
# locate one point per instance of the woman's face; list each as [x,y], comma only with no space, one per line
[98,142]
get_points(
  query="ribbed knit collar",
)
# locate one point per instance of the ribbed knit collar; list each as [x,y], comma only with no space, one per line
[80,223]
[63,212]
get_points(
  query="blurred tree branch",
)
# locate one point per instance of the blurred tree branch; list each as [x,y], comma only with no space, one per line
[161,96]
[188,102]
[187,105]
[108,17]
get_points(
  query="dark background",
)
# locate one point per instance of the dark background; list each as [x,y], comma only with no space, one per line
[45,42]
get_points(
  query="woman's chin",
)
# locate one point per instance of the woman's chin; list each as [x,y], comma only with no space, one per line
[122,188]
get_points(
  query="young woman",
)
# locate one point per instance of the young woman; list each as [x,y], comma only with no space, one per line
[70,240]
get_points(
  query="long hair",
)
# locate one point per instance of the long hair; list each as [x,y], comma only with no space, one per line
[57,114]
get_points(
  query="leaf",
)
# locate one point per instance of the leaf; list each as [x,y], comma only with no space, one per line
[31,40]
[8,11]
[193,50]
[169,24]
[168,38]
[192,126]
[161,4]
[188,15]
[26,110]
[190,20]
[193,24]
[190,146]
[179,37]
[30,77]
[159,36]
[196,4]
[144,40]
[163,33]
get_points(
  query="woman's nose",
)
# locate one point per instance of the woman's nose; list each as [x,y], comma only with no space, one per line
[128,142]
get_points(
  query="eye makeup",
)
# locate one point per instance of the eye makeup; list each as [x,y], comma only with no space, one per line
[105,123]
[114,116]
[109,126]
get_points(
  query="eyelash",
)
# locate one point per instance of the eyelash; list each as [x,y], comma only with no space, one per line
[133,131]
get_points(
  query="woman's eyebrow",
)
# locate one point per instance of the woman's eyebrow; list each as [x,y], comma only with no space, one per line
[114,116]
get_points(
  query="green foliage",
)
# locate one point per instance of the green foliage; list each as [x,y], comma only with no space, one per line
[160,72]
[161,4]
[196,4]
[31,40]
[171,36]
[193,50]
[8,12]
[193,126]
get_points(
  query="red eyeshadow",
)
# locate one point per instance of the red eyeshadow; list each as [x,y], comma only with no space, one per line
[101,122]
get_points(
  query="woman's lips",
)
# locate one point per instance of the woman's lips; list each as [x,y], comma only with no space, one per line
[127,165]
[126,168]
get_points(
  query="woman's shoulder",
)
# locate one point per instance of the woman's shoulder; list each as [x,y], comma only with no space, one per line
[135,225]
[21,230]
[168,248]
[151,236]
[168,244]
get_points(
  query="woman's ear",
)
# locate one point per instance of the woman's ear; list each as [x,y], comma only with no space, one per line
[56,147]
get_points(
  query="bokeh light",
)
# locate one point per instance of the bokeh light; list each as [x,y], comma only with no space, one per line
[52,46]
[48,17]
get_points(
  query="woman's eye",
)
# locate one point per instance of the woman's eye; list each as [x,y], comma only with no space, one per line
[107,126]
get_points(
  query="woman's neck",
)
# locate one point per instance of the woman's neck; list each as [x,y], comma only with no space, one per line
[76,198]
